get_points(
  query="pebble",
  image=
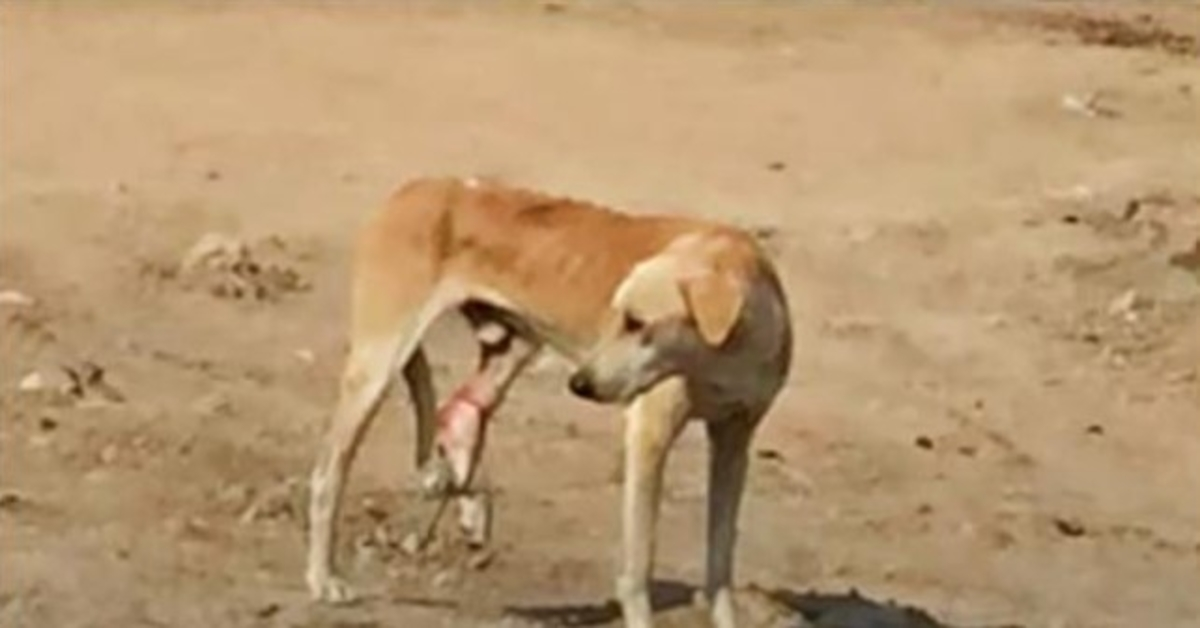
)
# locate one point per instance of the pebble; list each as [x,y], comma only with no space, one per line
[306,356]
[109,454]
[481,560]
[267,611]
[10,499]
[1126,305]
[444,579]
[411,544]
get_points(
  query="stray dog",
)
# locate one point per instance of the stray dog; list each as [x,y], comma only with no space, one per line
[672,318]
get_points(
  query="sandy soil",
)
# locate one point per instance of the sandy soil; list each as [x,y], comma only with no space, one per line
[985,215]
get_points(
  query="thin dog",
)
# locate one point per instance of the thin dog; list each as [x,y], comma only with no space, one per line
[672,318]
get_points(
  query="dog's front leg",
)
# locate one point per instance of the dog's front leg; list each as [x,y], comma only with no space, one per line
[652,422]
[729,442]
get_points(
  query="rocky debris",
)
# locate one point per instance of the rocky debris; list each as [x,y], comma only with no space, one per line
[1126,305]
[65,384]
[1089,105]
[230,268]
[284,501]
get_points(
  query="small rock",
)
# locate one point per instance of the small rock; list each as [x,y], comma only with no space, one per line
[1087,105]
[12,297]
[366,550]
[769,454]
[444,578]
[109,454]
[1069,527]
[283,501]
[10,499]
[777,166]
[411,544]
[47,423]
[1187,260]
[1095,430]
[89,377]
[212,174]
[56,381]
[236,495]
[306,356]
[1126,305]
[479,561]
[924,442]
[213,249]
[267,611]
[32,382]
[215,404]
[373,509]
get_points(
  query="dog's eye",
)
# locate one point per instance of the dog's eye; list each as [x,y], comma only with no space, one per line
[632,324]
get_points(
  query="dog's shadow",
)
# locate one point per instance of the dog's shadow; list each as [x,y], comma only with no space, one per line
[791,608]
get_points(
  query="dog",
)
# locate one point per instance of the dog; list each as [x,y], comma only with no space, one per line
[671,318]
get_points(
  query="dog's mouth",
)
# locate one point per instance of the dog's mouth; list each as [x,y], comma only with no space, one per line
[585,385]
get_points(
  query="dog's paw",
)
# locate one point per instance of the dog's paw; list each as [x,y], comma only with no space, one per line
[436,478]
[331,590]
[475,519]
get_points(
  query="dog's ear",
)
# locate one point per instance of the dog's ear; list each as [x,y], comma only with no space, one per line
[715,300]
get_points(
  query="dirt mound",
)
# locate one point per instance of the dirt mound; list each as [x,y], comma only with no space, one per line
[1143,31]
[230,268]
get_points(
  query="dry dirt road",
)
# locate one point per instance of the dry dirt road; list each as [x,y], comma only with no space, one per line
[986,214]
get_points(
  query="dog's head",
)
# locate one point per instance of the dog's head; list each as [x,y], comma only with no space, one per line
[668,313]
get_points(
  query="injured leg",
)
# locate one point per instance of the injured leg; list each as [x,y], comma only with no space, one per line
[462,426]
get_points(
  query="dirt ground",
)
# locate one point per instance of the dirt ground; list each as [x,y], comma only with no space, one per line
[987,216]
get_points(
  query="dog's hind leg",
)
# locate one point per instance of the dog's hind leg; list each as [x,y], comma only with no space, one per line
[364,381]
[462,423]
[369,368]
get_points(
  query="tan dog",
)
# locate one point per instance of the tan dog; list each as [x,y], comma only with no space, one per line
[673,318]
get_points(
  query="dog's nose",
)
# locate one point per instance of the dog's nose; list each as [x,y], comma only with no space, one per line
[581,385]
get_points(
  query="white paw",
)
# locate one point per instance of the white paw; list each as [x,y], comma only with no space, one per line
[436,479]
[331,590]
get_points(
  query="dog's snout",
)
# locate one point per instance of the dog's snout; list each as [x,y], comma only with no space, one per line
[581,384]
